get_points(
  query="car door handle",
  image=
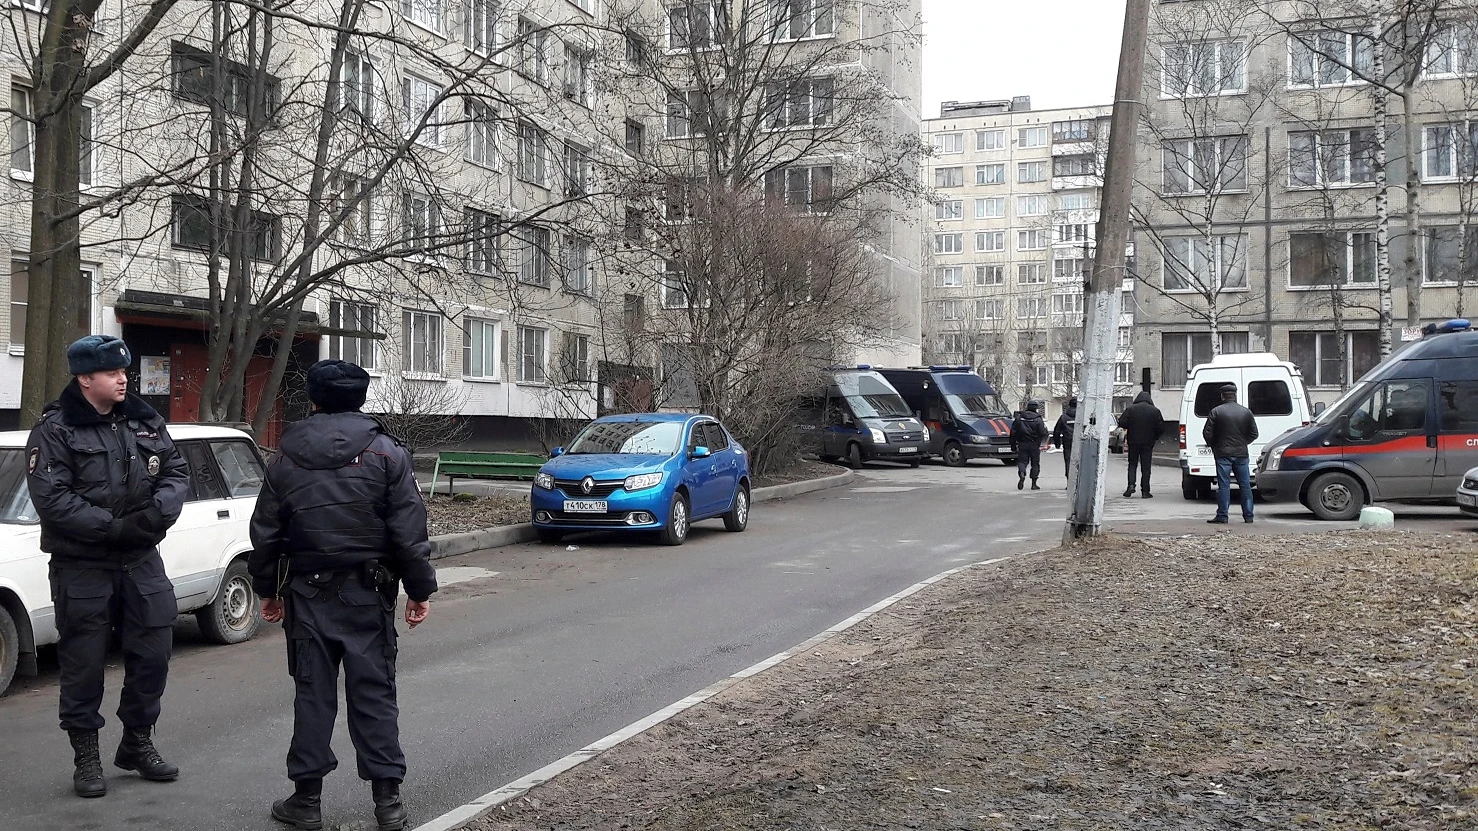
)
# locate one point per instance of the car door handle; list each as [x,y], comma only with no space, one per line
[226,514]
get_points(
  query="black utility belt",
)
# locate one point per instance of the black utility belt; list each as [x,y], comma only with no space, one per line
[370,574]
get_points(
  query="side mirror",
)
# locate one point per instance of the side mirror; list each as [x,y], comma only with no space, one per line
[1320,407]
[556,452]
[700,452]
[1342,426]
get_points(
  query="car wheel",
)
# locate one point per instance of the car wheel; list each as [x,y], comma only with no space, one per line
[914,463]
[234,615]
[737,519]
[1189,487]
[1336,497]
[10,649]
[854,456]
[549,536]
[1205,490]
[954,455]
[678,522]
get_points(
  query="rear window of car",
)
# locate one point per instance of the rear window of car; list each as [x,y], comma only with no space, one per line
[1208,396]
[1269,398]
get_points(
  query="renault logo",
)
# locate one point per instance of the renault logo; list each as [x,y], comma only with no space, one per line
[587,485]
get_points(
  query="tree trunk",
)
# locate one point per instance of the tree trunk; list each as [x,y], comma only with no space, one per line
[1414,237]
[1386,304]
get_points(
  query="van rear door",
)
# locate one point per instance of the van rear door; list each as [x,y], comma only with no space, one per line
[1391,436]
[1457,443]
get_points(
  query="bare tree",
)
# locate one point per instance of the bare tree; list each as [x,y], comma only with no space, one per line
[421,414]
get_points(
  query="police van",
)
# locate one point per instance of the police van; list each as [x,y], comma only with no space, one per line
[861,418]
[1406,431]
[965,417]
[204,552]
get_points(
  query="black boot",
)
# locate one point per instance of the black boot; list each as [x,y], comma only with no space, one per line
[87,779]
[304,809]
[1020,481]
[136,752]
[1035,486]
[389,810]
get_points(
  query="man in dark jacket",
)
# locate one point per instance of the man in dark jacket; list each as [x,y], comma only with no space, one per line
[339,523]
[107,483]
[1142,425]
[1230,429]
[1062,433]
[1029,430]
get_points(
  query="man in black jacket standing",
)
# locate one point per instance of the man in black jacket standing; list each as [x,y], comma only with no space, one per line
[1142,425]
[1230,429]
[1028,431]
[1062,433]
[338,525]
[107,483]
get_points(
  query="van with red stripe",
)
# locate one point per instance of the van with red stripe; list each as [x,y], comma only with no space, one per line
[965,417]
[1406,432]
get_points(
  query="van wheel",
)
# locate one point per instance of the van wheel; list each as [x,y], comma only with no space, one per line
[954,455]
[1205,490]
[10,649]
[233,616]
[1336,497]
[1189,488]
[854,456]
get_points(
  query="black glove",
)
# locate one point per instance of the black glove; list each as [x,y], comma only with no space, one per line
[142,528]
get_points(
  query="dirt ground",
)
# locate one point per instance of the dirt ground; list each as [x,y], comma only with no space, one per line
[1321,681]
[465,512]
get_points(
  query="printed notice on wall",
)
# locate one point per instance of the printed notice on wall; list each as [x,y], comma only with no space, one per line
[154,376]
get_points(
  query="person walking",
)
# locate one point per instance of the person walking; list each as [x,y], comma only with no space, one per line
[339,524]
[1029,430]
[1142,425]
[107,483]
[1230,429]
[1063,431]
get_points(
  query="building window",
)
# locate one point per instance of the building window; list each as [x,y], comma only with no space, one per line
[1202,165]
[1031,137]
[480,339]
[484,232]
[1074,233]
[990,174]
[577,76]
[1178,353]
[990,240]
[989,309]
[191,228]
[636,139]
[804,189]
[424,12]
[951,309]
[954,343]
[690,113]
[574,359]
[482,133]
[950,276]
[1076,202]
[795,19]
[532,54]
[1450,150]
[1337,258]
[1331,157]
[192,79]
[992,208]
[676,293]
[1210,67]
[1202,264]
[990,139]
[533,256]
[422,222]
[1327,58]
[423,348]
[1031,206]
[949,209]
[533,155]
[1028,274]
[696,24]
[1316,354]
[482,26]
[351,196]
[1083,165]
[421,98]
[634,227]
[577,265]
[1030,307]
[949,243]
[1068,304]
[353,317]
[20,281]
[1069,270]
[22,132]
[949,177]
[1034,239]
[1027,172]
[357,93]
[990,275]
[576,170]
[637,49]
[1123,373]
[1453,50]
[1440,260]
[532,343]
[1082,129]
[949,143]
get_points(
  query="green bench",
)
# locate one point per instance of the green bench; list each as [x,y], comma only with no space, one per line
[470,465]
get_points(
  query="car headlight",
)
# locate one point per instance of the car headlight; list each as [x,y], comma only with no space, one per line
[1470,484]
[642,481]
[978,439]
[926,433]
[878,436]
[543,481]
[1274,457]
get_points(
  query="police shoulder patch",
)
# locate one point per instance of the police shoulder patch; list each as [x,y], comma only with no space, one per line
[33,459]
[153,465]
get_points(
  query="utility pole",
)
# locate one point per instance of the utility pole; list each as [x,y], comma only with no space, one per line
[1101,303]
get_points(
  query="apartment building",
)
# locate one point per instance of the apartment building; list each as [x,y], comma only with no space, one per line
[1257,181]
[1010,237]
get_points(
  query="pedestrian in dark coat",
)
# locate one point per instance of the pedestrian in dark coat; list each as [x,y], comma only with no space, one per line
[1142,425]
[1063,432]
[1031,430]
[107,483]
[1230,431]
[339,524]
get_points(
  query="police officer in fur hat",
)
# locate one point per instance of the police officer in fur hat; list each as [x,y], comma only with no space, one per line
[107,483]
[338,526]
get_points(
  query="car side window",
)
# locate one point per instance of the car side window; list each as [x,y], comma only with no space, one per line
[240,469]
[717,439]
[1269,398]
[1208,396]
[1391,408]
[1459,405]
[695,437]
[205,482]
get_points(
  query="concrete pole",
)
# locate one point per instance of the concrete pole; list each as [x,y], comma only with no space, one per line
[1102,301]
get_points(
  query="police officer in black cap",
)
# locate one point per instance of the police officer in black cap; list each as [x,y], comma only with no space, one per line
[107,483]
[339,524]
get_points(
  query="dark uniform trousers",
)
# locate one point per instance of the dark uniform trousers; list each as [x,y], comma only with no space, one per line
[139,602]
[1067,457]
[1029,460]
[335,619]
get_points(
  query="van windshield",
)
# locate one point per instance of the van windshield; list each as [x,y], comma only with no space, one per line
[982,406]
[1341,404]
[871,396]
[15,497]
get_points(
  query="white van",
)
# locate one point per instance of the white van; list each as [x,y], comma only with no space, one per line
[1270,387]
[204,553]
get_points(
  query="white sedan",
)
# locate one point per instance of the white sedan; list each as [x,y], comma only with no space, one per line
[1467,492]
[204,553]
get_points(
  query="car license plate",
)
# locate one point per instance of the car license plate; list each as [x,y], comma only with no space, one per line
[1004,451]
[1203,450]
[1467,499]
[585,506]
[908,450]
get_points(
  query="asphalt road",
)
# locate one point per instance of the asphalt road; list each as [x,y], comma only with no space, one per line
[539,651]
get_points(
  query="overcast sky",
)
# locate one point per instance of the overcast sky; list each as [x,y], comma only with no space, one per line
[1063,53]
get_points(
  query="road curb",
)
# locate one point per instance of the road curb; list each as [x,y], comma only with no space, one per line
[480,806]
[451,545]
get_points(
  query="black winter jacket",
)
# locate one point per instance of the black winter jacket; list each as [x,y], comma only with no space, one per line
[1029,429]
[1229,429]
[1067,424]
[1142,421]
[340,493]
[87,472]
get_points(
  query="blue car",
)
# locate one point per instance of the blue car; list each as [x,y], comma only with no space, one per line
[647,472]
